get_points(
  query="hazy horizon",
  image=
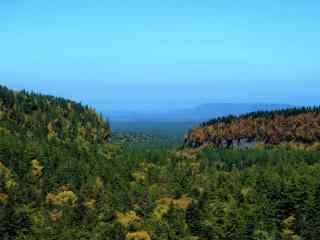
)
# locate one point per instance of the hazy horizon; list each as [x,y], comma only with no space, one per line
[163,55]
[148,107]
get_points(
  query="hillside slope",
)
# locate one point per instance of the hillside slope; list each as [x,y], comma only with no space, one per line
[291,125]
[36,115]
[47,145]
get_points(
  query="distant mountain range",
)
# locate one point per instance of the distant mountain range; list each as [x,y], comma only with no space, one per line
[200,113]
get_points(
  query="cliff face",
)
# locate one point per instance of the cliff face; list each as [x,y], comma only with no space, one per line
[292,125]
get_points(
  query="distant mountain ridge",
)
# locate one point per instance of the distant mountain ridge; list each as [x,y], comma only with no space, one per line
[199,113]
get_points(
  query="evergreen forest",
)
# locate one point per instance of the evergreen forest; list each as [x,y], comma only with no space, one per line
[63,177]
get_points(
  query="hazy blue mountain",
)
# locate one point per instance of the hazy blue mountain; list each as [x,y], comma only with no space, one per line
[197,114]
[212,110]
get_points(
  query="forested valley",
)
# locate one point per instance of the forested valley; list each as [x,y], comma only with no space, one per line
[62,177]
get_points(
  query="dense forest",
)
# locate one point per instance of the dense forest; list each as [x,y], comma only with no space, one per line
[37,116]
[297,125]
[61,178]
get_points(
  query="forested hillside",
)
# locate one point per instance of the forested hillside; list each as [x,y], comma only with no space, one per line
[300,126]
[39,116]
[58,183]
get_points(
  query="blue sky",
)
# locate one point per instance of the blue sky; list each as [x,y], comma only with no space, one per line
[163,54]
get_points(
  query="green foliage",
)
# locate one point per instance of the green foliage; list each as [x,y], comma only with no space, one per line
[80,187]
[39,116]
[210,196]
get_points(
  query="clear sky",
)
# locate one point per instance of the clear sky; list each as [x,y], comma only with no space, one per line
[163,53]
